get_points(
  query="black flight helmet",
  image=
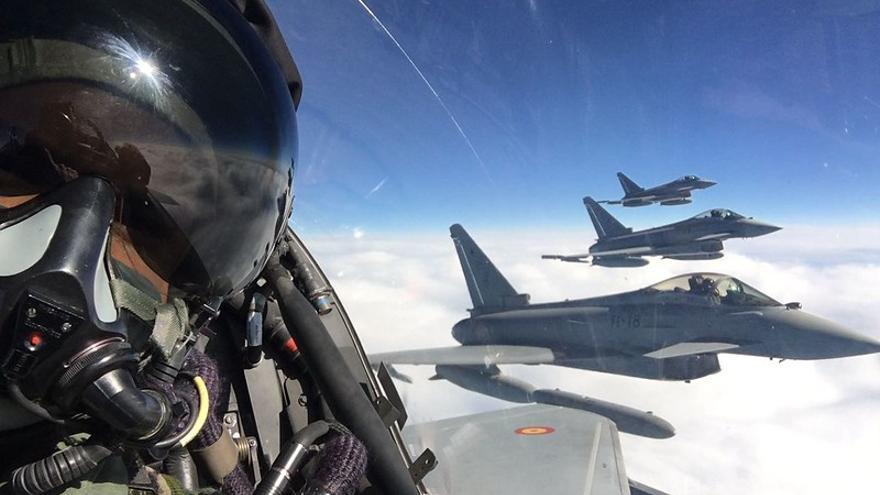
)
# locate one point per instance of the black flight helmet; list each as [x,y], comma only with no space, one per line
[177,104]
[154,138]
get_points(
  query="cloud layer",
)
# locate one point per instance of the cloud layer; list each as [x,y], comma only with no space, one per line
[757,427]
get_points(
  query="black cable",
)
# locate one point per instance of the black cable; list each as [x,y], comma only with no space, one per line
[179,464]
[337,383]
[29,405]
[193,402]
[287,464]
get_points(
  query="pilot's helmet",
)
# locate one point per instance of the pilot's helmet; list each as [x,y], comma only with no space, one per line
[146,168]
[177,106]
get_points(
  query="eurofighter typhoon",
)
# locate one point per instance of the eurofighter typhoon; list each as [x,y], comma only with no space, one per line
[677,192]
[672,330]
[697,238]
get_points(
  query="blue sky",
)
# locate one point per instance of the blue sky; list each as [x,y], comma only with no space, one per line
[779,102]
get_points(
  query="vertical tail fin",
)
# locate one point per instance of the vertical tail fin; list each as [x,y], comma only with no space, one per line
[629,187]
[489,290]
[605,224]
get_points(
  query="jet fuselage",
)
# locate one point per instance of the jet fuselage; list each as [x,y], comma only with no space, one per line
[672,330]
[691,236]
[676,192]
[616,333]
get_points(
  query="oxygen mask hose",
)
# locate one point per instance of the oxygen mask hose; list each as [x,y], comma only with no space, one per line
[115,399]
[58,469]
[203,390]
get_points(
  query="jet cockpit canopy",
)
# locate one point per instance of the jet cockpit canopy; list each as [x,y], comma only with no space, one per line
[721,213]
[689,178]
[720,288]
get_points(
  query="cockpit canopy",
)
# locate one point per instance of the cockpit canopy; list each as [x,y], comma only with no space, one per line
[688,178]
[717,287]
[721,213]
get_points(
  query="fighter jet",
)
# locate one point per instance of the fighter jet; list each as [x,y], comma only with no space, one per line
[677,192]
[697,238]
[672,330]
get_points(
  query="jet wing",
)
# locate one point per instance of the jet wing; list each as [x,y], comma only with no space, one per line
[469,355]
[689,349]
[530,449]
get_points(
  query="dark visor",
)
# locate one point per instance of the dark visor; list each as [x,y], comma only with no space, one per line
[196,133]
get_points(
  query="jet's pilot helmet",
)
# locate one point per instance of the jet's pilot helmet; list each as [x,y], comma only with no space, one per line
[143,145]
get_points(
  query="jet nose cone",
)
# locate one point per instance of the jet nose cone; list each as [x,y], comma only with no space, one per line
[707,183]
[769,229]
[805,336]
[852,344]
[845,345]
[757,229]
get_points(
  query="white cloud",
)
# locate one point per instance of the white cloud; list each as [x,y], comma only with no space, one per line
[757,427]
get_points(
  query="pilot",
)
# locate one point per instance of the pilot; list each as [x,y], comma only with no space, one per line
[697,285]
[703,286]
[146,164]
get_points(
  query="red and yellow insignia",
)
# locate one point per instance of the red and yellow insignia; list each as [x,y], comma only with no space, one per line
[534,430]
